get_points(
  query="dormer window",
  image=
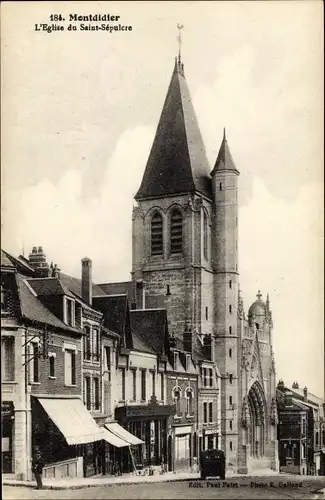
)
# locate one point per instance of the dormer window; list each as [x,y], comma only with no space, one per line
[207,377]
[69,312]
[176,232]
[187,362]
[175,356]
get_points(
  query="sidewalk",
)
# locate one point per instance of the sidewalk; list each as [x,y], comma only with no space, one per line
[89,482]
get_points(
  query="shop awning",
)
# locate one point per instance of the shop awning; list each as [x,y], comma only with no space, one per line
[113,439]
[73,420]
[122,433]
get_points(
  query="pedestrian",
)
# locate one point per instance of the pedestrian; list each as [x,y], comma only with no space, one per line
[37,467]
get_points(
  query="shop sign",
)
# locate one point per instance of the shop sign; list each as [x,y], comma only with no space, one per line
[187,429]
[7,409]
[210,431]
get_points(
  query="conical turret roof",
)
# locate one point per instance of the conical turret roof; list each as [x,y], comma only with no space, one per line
[177,161]
[224,159]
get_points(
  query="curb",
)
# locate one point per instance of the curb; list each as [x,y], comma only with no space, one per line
[93,485]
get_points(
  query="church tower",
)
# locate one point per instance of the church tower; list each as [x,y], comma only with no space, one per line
[172,222]
[225,266]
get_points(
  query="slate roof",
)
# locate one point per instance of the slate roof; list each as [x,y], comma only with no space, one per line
[34,310]
[224,159]
[123,287]
[5,261]
[48,286]
[74,285]
[114,309]
[177,161]
[140,345]
[150,325]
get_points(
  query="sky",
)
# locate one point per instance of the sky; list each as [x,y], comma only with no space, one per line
[80,110]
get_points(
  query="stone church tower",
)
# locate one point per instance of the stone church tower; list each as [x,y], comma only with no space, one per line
[185,259]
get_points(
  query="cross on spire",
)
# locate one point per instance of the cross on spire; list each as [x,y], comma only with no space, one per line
[179,39]
[259,295]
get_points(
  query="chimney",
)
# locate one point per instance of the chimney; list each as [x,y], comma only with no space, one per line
[295,385]
[37,260]
[207,347]
[86,280]
[187,339]
[305,394]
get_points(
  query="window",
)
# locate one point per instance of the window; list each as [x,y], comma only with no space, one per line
[230,378]
[86,342]
[220,186]
[230,425]
[3,298]
[96,344]
[206,313]
[177,400]
[176,232]
[122,372]
[205,235]
[8,358]
[230,445]
[69,367]
[134,385]
[205,413]
[230,284]
[34,363]
[157,234]
[153,383]
[316,438]
[323,438]
[52,365]
[230,353]
[107,351]
[230,330]
[210,413]
[189,402]
[230,309]
[207,377]
[143,385]
[162,388]
[230,400]
[69,311]
[87,393]
[96,393]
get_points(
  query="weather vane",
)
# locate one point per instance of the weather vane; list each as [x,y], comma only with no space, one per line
[179,38]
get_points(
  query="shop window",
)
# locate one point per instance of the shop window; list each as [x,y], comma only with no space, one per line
[8,358]
[69,367]
[176,232]
[210,442]
[157,234]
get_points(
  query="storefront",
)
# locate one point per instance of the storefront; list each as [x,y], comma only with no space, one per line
[184,447]
[7,426]
[210,439]
[149,424]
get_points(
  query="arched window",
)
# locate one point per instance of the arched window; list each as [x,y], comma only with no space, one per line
[205,235]
[157,234]
[176,232]
[189,401]
[177,400]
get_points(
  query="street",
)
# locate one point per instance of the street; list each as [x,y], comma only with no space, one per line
[277,487]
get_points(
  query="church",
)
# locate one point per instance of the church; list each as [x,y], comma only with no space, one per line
[185,260]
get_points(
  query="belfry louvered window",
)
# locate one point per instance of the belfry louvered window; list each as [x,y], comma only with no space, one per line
[157,234]
[176,232]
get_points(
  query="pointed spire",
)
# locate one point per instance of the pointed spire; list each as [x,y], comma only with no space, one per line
[224,159]
[177,162]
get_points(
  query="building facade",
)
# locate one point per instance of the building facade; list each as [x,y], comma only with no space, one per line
[185,259]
